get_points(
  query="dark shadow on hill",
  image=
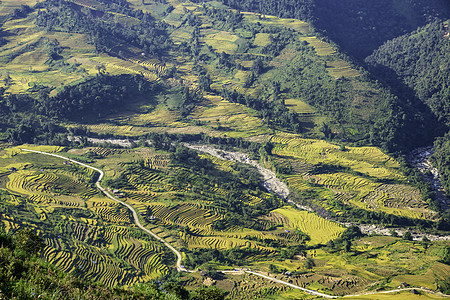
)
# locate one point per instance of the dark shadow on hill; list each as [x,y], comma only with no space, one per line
[409,100]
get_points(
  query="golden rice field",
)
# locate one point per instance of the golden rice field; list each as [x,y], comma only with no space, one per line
[341,68]
[299,106]
[29,68]
[366,160]
[93,235]
[262,39]
[13,151]
[221,41]
[80,228]
[322,48]
[319,229]
[8,6]
[398,199]
[239,120]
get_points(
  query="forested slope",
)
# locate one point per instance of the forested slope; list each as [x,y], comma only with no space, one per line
[421,61]
[358,26]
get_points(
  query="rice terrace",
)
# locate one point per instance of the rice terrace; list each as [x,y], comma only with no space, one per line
[221,150]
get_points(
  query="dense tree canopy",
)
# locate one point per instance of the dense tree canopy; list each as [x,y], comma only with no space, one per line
[102,29]
[422,61]
[359,26]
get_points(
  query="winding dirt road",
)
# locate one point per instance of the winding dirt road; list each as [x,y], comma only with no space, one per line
[180,268]
[107,194]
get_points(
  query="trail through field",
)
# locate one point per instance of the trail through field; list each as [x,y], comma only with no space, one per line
[316,293]
[271,181]
[135,216]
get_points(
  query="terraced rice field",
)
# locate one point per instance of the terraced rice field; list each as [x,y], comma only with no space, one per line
[81,229]
[361,188]
[262,39]
[156,161]
[40,184]
[105,152]
[158,69]
[222,41]
[239,120]
[341,68]
[28,182]
[367,160]
[13,151]
[87,254]
[322,48]
[40,73]
[299,106]
[8,6]
[319,229]
[143,256]
[185,214]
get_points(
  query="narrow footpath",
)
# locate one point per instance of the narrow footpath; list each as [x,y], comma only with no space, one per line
[181,268]
[107,194]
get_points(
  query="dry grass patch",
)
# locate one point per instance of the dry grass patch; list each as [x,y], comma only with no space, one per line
[262,39]
[322,48]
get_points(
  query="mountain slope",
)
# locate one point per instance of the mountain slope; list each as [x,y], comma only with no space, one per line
[166,73]
[358,26]
[199,57]
[421,60]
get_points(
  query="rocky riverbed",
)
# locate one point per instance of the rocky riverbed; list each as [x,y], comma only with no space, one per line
[419,158]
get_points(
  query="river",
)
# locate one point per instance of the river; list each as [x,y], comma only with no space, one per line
[272,183]
[420,158]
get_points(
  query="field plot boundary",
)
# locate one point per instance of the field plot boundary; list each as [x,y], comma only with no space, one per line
[135,216]
[179,257]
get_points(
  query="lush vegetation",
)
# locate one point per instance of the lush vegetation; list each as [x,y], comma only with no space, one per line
[417,65]
[441,159]
[24,275]
[165,73]
[420,60]
[96,97]
[28,119]
[357,26]
[101,28]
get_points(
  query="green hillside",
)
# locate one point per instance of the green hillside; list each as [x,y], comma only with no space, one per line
[359,27]
[421,61]
[299,149]
[198,58]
